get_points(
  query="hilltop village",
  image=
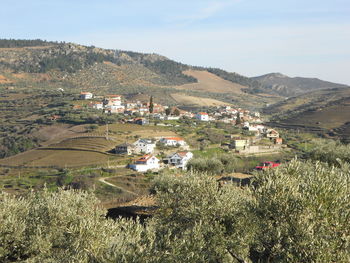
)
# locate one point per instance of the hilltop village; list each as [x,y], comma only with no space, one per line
[153,153]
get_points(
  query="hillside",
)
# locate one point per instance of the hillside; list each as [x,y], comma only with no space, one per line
[288,87]
[326,112]
[39,64]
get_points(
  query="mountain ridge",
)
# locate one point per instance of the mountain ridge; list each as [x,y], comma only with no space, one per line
[113,70]
[293,86]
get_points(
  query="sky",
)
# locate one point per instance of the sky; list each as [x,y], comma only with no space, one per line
[309,38]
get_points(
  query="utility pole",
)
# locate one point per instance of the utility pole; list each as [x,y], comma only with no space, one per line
[107,131]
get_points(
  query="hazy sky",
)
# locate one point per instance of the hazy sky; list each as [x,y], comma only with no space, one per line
[308,38]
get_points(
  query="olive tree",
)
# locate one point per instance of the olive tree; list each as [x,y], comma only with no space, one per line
[302,213]
[202,220]
[66,226]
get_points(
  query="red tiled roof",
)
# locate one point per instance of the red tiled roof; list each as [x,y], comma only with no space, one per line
[203,113]
[144,158]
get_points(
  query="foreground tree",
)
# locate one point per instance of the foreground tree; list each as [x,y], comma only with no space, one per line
[302,211]
[298,212]
[66,226]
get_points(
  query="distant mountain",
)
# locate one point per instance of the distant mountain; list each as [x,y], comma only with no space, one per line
[288,87]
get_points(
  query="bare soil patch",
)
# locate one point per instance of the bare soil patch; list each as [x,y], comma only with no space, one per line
[209,82]
[197,101]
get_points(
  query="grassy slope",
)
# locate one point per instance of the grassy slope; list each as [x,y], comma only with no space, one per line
[323,111]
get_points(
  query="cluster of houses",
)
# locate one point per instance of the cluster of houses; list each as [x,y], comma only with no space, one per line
[149,161]
[250,145]
[117,104]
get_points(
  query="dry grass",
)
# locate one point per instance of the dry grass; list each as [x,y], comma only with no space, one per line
[209,82]
[197,101]
[14,96]
[58,132]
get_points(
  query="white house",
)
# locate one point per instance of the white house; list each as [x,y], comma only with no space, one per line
[97,106]
[145,163]
[202,116]
[113,100]
[144,146]
[172,118]
[173,141]
[180,159]
[86,95]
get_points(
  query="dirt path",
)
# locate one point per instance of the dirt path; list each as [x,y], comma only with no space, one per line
[103,180]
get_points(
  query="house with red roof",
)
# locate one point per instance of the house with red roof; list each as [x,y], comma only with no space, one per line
[202,116]
[173,141]
[145,163]
[113,100]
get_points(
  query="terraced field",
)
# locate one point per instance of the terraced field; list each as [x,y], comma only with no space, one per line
[86,143]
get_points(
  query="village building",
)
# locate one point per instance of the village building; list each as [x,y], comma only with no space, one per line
[179,159]
[86,95]
[141,121]
[159,116]
[145,163]
[131,105]
[113,100]
[271,133]
[278,140]
[239,143]
[97,105]
[125,148]
[172,118]
[144,146]
[202,116]
[143,110]
[173,141]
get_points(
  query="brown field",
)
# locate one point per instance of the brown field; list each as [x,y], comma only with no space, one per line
[4,80]
[58,158]
[198,101]
[209,82]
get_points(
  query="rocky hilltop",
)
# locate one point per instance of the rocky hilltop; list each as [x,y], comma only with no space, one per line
[288,87]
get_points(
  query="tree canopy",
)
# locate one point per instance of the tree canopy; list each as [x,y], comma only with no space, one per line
[298,212]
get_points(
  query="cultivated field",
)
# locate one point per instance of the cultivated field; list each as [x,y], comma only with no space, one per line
[86,150]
